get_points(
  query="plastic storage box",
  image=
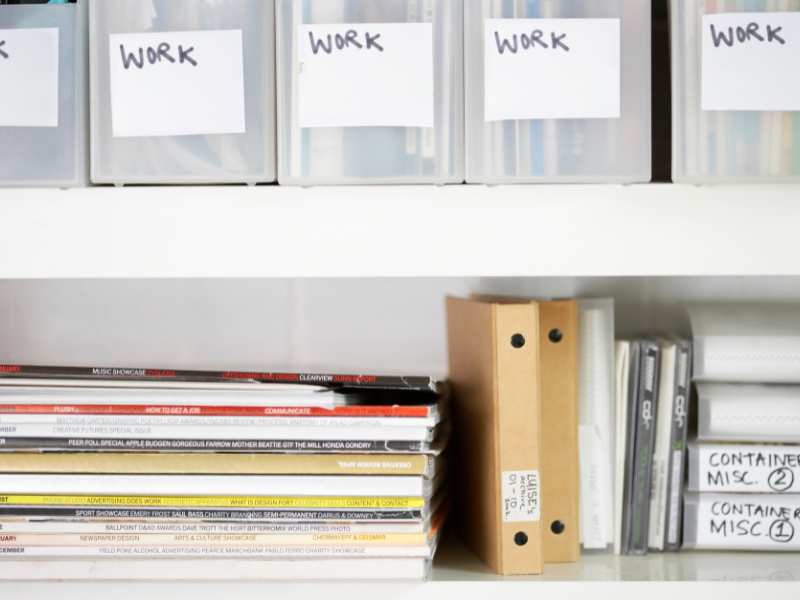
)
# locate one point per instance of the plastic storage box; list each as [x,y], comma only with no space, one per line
[589,140]
[412,136]
[725,138]
[43,128]
[200,110]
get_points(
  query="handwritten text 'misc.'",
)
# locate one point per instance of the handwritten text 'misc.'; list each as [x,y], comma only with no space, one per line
[753,32]
[536,39]
[153,55]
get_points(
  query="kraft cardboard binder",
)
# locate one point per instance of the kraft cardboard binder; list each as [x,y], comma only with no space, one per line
[494,369]
[559,372]
[558,356]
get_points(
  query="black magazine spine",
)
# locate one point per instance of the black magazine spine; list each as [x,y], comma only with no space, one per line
[330,380]
[676,472]
[645,445]
[148,445]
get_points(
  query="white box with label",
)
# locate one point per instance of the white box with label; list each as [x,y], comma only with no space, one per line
[736,91]
[558,91]
[182,91]
[370,91]
[43,111]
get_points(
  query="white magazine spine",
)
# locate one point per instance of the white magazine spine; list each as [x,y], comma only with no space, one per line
[61,526]
[200,432]
[123,421]
[215,569]
[252,551]
[214,485]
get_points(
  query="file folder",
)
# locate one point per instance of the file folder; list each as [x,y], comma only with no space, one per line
[559,345]
[495,373]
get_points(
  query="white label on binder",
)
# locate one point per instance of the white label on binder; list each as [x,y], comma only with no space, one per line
[521,496]
[750,61]
[365,75]
[177,83]
[28,78]
[552,69]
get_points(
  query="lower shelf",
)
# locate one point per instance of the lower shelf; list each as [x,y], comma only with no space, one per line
[458,574]
[456,563]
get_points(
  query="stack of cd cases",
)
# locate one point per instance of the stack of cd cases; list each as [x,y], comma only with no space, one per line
[653,379]
[307,476]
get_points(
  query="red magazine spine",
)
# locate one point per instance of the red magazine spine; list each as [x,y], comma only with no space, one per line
[217,411]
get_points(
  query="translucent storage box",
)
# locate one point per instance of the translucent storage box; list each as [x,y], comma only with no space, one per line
[385,106]
[735,97]
[182,91]
[43,107]
[558,91]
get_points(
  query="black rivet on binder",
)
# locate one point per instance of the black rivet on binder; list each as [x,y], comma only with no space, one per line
[518,340]
[521,538]
[555,335]
[557,527]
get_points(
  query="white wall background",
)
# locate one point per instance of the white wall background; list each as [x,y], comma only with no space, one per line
[387,325]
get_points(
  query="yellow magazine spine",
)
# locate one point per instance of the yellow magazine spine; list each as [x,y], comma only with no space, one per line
[274,502]
[230,464]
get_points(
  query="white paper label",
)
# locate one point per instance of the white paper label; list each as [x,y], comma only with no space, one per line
[365,75]
[177,83]
[750,61]
[741,521]
[748,469]
[521,496]
[552,69]
[28,78]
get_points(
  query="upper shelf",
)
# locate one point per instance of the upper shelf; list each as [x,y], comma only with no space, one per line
[465,231]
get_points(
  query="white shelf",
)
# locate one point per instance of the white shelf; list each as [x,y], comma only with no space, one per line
[465,231]
[459,575]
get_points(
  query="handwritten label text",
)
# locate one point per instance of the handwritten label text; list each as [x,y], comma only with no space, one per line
[177,83]
[750,61]
[552,69]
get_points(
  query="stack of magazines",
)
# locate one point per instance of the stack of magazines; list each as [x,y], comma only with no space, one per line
[308,476]
[744,469]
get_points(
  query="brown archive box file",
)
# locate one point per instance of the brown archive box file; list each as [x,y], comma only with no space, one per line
[558,355]
[560,459]
[494,367]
